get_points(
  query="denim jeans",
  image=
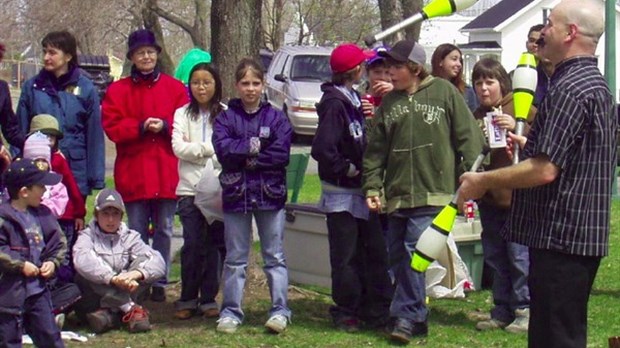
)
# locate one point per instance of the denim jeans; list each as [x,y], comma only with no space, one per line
[238,236]
[160,212]
[36,320]
[202,256]
[361,287]
[404,229]
[509,261]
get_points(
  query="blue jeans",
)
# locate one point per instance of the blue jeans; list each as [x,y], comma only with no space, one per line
[36,319]
[238,237]
[161,213]
[510,263]
[202,256]
[404,229]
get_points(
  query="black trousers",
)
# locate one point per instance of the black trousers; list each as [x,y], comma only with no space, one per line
[361,286]
[560,286]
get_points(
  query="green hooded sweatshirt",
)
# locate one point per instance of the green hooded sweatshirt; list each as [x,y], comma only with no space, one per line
[419,146]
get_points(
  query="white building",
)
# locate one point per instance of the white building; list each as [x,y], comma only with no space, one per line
[501,31]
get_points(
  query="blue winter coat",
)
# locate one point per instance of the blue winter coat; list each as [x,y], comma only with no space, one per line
[252,182]
[79,117]
[15,251]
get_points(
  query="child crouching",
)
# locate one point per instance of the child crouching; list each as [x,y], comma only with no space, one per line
[31,249]
[113,267]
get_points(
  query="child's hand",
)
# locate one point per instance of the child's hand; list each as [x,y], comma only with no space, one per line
[505,121]
[30,270]
[79,225]
[47,269]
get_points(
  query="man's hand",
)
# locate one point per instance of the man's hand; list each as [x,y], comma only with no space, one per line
[30,270]
[47,269]
[472,187]
[374,203]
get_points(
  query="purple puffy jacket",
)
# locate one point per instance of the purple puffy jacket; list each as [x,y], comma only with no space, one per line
[252,182]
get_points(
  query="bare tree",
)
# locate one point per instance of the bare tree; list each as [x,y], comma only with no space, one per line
[275,13]
[235,33]
[394,11]
[411,7]
[197,30]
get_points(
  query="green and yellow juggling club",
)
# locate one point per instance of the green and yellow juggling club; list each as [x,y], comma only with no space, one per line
[433,239]
[524,81]
[436,8]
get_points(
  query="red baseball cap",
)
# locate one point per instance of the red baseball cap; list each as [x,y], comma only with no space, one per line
[347,56]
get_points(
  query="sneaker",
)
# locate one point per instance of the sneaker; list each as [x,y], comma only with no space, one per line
[211,313]
[478,316]
[347,324]
[277,323]
[521,323]
[419,329]
[491,324]
[401,332]
[227,325]
[137,319]
[59,319]
[101,320]
[158,294]
[183,314]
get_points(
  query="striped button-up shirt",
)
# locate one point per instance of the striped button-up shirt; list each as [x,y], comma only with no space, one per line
[576,128]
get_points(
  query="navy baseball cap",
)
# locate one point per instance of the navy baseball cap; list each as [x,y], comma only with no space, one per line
[24,172]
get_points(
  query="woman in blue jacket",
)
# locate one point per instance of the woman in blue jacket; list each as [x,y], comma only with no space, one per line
[59,89]
[252,142]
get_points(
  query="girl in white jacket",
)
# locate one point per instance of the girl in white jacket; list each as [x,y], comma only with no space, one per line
[203,251]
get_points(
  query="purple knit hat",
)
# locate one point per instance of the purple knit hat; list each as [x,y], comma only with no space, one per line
[141,38]
[37,146]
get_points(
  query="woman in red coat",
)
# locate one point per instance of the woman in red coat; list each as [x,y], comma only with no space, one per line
[138,114]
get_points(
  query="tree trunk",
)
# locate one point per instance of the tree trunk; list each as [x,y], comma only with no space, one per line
[394,11]
[197,31]
[235,34]
[411,7]
[151,22]
[390,15]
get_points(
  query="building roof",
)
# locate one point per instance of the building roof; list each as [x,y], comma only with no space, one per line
[497,14]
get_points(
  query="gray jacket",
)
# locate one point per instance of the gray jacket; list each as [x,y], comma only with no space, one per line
[98,256]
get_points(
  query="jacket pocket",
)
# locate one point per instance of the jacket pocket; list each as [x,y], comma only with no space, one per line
[273,185]
[233,186]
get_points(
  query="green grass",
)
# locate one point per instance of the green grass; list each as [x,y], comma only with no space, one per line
[311,327]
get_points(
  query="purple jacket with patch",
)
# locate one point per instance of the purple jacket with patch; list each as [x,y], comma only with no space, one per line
[252,181]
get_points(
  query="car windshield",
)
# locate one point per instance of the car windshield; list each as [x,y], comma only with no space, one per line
[311,68]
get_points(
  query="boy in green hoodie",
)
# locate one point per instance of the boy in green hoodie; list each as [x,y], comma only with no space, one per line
[424,136]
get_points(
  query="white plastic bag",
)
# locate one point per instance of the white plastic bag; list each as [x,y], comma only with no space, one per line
[209,193]
[448,276]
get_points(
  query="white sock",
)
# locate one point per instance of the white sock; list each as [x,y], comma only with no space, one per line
[127,307]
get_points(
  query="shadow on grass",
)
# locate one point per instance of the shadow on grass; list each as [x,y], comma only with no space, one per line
[606,292]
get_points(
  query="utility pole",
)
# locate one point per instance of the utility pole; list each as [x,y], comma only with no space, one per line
[610,64]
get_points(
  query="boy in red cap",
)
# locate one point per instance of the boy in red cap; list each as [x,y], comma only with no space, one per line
[361,288]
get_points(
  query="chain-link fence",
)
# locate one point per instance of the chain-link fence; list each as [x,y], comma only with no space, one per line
[16,72]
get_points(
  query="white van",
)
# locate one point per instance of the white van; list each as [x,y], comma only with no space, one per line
[294,81]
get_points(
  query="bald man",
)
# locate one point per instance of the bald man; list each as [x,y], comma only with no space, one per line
[561,203]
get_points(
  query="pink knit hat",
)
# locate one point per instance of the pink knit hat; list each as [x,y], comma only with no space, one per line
[37,146]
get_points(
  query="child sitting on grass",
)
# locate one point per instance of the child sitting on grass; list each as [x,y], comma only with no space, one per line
[113,267]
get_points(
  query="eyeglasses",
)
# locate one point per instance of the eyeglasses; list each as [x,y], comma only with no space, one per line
[144,53]
[205,84]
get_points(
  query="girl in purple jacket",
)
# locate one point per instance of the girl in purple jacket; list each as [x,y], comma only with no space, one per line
[252,141]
